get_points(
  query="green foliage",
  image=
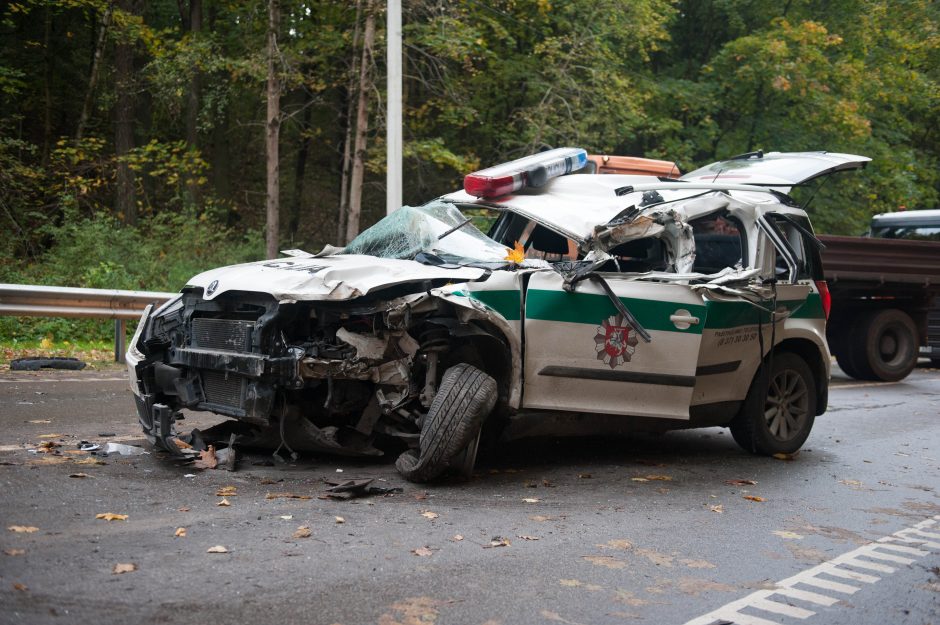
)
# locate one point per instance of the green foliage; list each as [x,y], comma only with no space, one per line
[687,80]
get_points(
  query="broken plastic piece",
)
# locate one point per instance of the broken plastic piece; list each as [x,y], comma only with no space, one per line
[124,450]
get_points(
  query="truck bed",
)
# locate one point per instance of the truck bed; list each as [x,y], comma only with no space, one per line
[850,262]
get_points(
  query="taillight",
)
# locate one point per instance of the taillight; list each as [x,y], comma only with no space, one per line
[825,296]
[531,171]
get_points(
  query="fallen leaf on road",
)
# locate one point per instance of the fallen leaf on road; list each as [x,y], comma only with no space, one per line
[79,475]
[128,567]
[584,476]
[541,518]
[287,517]
[717,509]
[110,516]
[753,498]
[617,543]
[850,482]
[430,515]
[52,436]
[15,552]
[40,421]
[90,460]
[183,509]
[181,444]
[217,549]
[787,457]
[226,491]
[638,479]
[23,529]
[286,496]
[224,502]
[339,519]
[180,532]
[606,561]
[499,541]
[659,478]
[47,446]
[424,552]
[741,482]
[457,538]
[524,537]
[207,459]
[20,587]
[531,500]
[790,535]
[302,532]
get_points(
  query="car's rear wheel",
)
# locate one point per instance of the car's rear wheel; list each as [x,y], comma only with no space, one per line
[452,427]
[780,408]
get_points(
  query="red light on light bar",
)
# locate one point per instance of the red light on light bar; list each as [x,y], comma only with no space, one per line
[531,171]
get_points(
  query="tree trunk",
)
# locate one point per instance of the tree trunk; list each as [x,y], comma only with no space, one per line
[192,101]
[93,75]
[362,126]
[273,134]
[347,140]
[47,86]
[125,200]
[300,166]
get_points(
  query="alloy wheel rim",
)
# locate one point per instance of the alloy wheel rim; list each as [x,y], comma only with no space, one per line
[787,405]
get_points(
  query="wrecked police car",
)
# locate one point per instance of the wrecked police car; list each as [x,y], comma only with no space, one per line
[593,304]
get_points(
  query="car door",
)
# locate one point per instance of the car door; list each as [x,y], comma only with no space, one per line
[582,355]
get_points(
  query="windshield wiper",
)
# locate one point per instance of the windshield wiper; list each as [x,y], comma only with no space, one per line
[454,229]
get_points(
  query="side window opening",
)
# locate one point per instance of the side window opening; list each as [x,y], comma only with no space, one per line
[638,256]
[809,266]
[719,243]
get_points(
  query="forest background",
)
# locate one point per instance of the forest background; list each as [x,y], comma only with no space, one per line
[133,134]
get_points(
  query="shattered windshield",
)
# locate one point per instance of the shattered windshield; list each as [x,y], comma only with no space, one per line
[437,228]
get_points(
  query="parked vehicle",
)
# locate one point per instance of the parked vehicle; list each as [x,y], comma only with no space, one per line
[595,304]
[886,295]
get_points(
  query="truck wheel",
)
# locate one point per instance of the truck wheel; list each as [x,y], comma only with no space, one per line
[886,347]
[779,409]
[464,400]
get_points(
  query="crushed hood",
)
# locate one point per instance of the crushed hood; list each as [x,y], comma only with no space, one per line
[340,277]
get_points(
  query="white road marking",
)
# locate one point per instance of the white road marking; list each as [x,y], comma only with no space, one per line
[926,544]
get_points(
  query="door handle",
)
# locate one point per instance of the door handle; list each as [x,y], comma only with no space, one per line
[683,319]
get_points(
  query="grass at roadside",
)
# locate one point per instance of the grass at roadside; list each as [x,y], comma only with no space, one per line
[95,354]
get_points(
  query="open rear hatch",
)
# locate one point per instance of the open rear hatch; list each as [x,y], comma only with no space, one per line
[776,169]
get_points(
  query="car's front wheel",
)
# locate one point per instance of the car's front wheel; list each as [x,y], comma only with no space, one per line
[451,429]
[780,408]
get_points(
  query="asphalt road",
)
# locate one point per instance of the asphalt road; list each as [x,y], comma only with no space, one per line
[645,530]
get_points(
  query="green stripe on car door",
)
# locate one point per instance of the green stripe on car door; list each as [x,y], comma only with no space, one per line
[593,308]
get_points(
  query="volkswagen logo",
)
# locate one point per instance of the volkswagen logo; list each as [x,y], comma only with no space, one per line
[212,287]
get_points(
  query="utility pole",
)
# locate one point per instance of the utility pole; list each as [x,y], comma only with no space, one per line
[393,119]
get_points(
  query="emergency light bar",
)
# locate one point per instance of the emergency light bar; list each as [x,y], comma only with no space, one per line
[530,171]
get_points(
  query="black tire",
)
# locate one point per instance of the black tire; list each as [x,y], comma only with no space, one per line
[465,398]
[780,408]
[851,357]
[885,346]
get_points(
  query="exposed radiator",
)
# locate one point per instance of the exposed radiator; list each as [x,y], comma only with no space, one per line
[224,334]
[223,388]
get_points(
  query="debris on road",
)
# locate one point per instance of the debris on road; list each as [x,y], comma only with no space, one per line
[124,567]
[23,529]
[224,503]
[424,552]
[753,498]
[15,552]
[286,496]
[226,491]
[180,532]
[302,532]
[206,459]
[217,549]
[110,516]
[124,450]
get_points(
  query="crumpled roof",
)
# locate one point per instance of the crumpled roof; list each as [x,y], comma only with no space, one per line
[573,205]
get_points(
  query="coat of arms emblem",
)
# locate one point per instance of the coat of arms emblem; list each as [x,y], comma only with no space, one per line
[615,341]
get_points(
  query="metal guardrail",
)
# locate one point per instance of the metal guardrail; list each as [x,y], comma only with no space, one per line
[26,300]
